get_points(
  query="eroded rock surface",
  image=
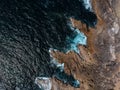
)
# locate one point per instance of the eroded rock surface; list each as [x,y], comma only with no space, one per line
[98,65]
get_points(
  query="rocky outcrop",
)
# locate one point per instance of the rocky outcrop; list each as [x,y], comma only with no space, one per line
[98,64]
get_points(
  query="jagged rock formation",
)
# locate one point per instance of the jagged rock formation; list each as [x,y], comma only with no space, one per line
[98,65]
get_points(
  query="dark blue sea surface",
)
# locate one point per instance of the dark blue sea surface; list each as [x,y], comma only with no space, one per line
[28,29]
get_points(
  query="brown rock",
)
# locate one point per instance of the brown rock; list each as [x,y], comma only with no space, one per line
[98,65]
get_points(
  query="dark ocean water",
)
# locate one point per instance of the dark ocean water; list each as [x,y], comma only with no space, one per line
[28,29]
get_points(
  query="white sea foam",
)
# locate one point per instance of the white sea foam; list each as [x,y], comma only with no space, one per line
[79,39]
[44,83]
[73,42]
[55,63]
[87,4]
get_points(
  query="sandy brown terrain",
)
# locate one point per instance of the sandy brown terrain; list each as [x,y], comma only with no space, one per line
[98,65]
